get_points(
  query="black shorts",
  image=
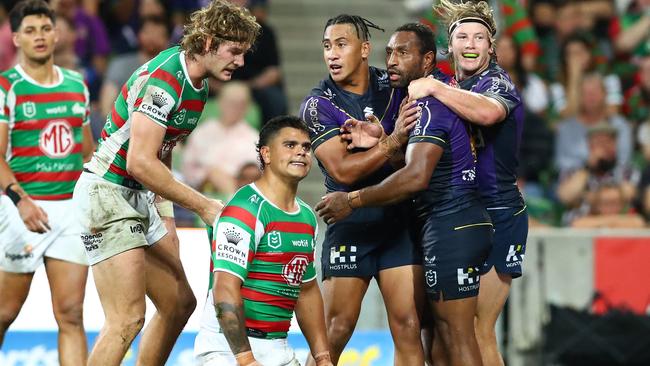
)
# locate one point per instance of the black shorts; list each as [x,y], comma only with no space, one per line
[455,247]
[370,240]
[509,242]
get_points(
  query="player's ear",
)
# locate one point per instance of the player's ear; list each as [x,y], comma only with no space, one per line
[365,49]
[429,60]
[266,155]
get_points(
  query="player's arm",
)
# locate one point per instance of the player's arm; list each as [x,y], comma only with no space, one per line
[473,107]
[33,216]
[87,141]
[309,313]
[344,166]
[230,259]
[143,164]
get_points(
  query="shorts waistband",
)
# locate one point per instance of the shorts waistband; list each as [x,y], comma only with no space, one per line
[126,182]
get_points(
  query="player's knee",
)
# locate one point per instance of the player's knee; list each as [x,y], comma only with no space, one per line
[69,314]
[340,327]
[405,326]
[8,313]
[485,333]
[186,302]
[128,327]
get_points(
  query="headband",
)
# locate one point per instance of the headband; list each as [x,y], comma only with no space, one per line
[455,24]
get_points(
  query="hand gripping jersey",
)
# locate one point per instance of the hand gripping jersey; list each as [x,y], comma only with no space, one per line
[271,251]
[45,131]
[162,90]
[453,186]
[498,145]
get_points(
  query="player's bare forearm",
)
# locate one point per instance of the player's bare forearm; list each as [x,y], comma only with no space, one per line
[346,167]
[6,174]
[473,107]
[88,144]
[310,316]
[421,160]
[230,314]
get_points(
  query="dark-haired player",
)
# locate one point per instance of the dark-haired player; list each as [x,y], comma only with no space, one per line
[263,262]
[373,242]
[44,138]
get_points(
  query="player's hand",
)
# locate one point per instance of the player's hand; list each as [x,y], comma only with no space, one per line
[211,211]
[362,134]
[409,113]
[334,207]
[422,87]
[34,217]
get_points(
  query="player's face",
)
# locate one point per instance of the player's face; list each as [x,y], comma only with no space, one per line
[404,61]
[344,52]
[36,38]
[228,57]
[289,154]
[471,49]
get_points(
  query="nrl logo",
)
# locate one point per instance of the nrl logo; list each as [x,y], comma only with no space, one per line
[29,109]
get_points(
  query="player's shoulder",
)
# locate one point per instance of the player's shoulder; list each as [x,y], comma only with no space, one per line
[308,211]
[247,198]
[379,78]
[71,74]
[9,77]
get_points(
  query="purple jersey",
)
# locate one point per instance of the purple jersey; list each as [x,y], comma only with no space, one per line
[453,186]
[498,145]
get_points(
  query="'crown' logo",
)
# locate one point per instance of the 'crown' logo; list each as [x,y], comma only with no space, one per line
[232,236]
[158,100]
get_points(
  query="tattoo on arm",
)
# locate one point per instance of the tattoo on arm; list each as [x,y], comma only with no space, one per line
[232,321]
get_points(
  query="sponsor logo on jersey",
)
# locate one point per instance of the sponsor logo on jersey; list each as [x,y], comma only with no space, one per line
[232,244]
[275,239]
[29,109]
[294,271]
[254,199]
[179,117]
[468,279]
[515,255]
[56,139]
[431,277]
[418,124]
[192,121]
[137,228]
[157,103]
[368,111]
[312,110]
[57,110]
[469,174]
[77,108]
[92,241]
[303,243]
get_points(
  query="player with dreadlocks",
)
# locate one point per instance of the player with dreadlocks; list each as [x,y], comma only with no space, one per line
[488,99]
[372,242]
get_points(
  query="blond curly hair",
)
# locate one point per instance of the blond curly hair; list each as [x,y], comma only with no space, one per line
[221,22]
[451,12]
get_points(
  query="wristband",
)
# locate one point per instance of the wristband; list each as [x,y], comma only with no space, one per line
[354,199]
[323,358]
[245,358]
[13,195]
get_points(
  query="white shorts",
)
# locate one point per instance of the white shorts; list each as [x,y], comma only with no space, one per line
[114,218]
[211,347]
[22,251]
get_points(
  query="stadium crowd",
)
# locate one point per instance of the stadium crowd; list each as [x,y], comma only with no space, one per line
[583,68]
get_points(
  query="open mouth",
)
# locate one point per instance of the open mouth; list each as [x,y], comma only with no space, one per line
[393,75]
[470,55]
[298,163]
[335,68]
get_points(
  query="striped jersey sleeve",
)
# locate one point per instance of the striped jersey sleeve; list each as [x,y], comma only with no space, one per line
[159,96]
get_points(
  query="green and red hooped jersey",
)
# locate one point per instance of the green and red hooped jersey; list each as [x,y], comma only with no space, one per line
[162,90]
[271,251]
[45,124]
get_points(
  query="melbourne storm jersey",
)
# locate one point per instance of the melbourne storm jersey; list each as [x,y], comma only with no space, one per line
[45,130]
[453,186]
[271,251]
[162,90]
[328,107]
[498,145]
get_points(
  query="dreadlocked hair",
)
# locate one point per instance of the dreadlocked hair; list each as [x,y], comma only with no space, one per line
[221,22]
[361,25]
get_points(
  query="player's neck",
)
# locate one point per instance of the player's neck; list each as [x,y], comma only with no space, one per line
[42,73]
[280,192]
[358,82]
[195,71]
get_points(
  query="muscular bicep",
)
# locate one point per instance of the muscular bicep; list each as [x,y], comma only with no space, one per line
[422,159]
[331,154]
[146,137]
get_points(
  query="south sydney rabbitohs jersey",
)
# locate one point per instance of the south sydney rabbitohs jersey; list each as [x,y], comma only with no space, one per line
[453,184]
[160,89]
[271,251]
[498,145]
[45,130]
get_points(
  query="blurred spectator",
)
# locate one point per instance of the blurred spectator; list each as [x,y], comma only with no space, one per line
[248,173]
[64,53]
[637,101]
[153,38]
[575,191]
[577,61]
[261,70]
[7,48]
[123,19]
[571,147]
[533,89]
[91,44]
[610,209]
[218,149]
[634,35]
[566,20]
